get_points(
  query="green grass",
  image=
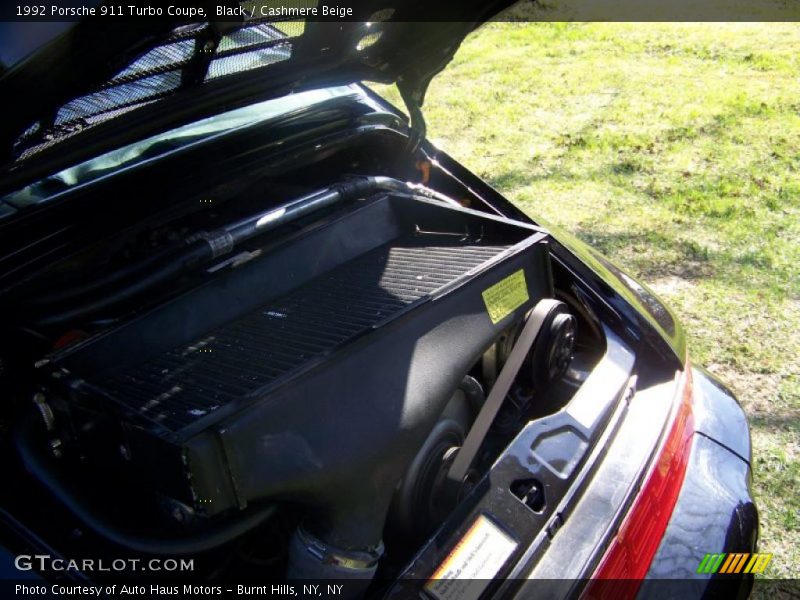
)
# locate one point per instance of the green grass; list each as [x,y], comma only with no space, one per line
[674,149]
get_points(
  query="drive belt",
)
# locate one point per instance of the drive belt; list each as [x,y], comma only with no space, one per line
[541,314]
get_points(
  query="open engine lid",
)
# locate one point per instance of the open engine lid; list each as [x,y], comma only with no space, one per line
[103,82]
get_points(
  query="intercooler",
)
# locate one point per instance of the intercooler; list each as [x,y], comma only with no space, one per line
[176,388]
[312,373]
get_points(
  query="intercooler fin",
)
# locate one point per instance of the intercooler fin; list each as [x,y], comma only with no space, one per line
[178,387]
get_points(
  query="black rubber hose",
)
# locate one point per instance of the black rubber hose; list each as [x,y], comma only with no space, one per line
[96,285]
[474,393]
[32,453]
[224,240]
[195,253]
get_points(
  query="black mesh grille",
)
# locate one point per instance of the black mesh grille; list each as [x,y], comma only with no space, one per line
[118,96]
[162,71]
[180,386]
[246,61]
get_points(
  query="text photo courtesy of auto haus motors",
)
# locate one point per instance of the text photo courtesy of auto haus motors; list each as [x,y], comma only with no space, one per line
[369,299]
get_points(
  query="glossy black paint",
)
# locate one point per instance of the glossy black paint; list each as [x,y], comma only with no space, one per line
[715,511]
[718,414]
[82,59]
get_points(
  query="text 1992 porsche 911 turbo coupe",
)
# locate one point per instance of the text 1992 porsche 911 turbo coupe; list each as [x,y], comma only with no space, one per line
[252,318]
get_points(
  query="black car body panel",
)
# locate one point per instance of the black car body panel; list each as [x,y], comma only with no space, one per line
[719,476]
[719,416]
[715,478]
[93,63]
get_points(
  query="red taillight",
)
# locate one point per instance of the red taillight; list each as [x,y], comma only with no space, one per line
[629,556]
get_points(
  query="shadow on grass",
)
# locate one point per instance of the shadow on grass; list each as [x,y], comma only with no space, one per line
[656,255]
[775,421]
[629,147]
[690,261]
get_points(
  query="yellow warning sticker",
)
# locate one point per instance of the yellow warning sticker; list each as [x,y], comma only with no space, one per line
[505,296]
[472,564]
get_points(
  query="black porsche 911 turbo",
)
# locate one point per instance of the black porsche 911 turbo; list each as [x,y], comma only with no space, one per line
[257,333]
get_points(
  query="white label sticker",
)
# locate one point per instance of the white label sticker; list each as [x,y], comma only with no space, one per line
[474,561]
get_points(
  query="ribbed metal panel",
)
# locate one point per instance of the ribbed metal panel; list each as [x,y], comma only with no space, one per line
[178,387]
